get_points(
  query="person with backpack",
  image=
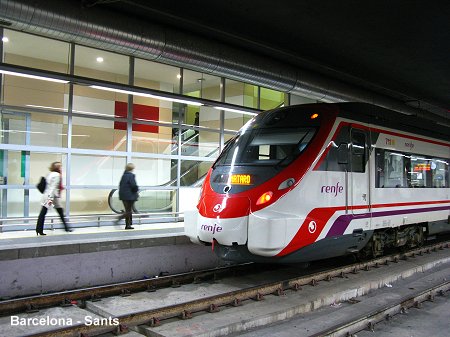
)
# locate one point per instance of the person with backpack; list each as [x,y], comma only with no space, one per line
[51,197]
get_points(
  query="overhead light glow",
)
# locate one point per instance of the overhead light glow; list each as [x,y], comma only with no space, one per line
[178,76]
[100,59]
[236,110]
[5,39]
[129,92]
[13,73]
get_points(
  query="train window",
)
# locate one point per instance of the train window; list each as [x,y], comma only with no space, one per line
[440,172]
[358,151]
[396,169]
[271,146]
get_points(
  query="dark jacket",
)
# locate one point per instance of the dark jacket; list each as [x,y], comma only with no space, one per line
[128,188]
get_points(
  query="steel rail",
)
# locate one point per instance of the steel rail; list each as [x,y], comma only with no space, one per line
[368,321]
[213,303]
[42,301]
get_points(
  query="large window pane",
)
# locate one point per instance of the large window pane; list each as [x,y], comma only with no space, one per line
[201,85]
[153,142]
[100,64]
[36,52]
[440,172]
[235,121]
[203,143]
[97,102]
[13,161]
[90,133]
[89,201]
[271,99]
[153,172]
[193,171]
[156,76]
[40,163]
[96,170]
[151,201]
[16,201]
[240,93]
[27,92]
[13,129]
[101,134]
[48,130]
[151,109]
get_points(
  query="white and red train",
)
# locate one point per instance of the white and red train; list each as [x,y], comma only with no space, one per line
[308,182]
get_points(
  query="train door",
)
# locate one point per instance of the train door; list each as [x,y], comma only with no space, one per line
[359,175]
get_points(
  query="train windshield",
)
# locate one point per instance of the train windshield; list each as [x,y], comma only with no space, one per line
[271,146]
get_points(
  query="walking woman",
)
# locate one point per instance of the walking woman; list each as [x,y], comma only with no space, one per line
[52,197]
[128,193]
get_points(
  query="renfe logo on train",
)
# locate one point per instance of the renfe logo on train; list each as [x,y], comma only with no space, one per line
[333,189]
[212,228]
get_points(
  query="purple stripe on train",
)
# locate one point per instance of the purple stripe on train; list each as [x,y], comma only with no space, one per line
[342,222]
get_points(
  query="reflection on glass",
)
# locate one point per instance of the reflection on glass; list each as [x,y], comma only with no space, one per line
[40,163]
[240,93]
[234,121]
[33,51]
[156,76]
[97,103]
[154,201]
[153,171]
[48,130]
[14,168]
[196,84]
[27,92]
[13,129]
[89,201]
[192,172]
[271,99]
[88,133]
[96,170]
[16,203]
[100,64]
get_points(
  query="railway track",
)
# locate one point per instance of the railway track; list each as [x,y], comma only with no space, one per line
[251,285]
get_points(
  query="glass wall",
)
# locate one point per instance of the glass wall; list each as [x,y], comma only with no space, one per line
[156,76]
[102,65]
[271,99]
[34,52]
[240,93]
[94,132]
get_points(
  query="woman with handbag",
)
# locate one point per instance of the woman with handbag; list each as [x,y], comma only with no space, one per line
[51,197]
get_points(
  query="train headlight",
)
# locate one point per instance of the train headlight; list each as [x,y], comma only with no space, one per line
[265,197]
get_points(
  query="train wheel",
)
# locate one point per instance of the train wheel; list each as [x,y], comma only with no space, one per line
[367,252]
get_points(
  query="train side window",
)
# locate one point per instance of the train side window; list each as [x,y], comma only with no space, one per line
[358,151]
[439,172]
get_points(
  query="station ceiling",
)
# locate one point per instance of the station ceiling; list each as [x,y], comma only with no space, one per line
[397,48]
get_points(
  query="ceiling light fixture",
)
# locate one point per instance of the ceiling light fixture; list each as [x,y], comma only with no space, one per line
[99,59]
[13,73]
[5,39]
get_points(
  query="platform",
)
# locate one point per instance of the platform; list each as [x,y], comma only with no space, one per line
[25,244]
[94,256]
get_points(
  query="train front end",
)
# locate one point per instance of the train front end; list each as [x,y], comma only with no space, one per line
[245,205]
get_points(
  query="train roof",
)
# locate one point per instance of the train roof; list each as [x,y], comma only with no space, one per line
[376,115]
